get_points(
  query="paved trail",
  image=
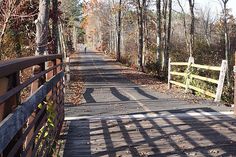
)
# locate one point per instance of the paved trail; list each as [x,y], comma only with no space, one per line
[119,118]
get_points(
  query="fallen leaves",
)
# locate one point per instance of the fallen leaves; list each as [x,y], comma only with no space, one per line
[152,82]
[74,90]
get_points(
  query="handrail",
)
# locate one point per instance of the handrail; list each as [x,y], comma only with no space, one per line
[46,88]
[12,66]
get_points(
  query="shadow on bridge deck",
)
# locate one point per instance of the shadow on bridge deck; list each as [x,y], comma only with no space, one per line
[119,118]
[170,133]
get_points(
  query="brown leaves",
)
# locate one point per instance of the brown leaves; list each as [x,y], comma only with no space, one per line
[154,83]
[74,90]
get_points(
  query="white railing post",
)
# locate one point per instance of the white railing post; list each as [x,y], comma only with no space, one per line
[169,75]
[187,81]
[221,81]
[67,69]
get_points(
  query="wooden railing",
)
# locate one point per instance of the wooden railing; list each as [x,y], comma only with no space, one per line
[29,126]
[187,76]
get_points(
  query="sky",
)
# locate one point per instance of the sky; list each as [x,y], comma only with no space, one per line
[214,5]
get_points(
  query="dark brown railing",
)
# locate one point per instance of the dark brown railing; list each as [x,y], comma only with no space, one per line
[31,108]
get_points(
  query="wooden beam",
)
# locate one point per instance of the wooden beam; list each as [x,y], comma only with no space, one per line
[10,105]
[179,63]
[235,83]
[206,67]
[178,84]
[177,73]
[221,81]
[202,91]
[16,120]
[169,73]
[3,90]
[204,78]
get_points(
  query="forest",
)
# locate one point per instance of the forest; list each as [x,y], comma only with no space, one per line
[142,34]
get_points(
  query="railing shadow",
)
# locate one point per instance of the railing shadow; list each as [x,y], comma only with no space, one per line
[77,139]
[182,135]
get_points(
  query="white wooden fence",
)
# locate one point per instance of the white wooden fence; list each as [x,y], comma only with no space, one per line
[187,76]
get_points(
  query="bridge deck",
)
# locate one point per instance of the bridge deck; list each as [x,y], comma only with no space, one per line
[119,118]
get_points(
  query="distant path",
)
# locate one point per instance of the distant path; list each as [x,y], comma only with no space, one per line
[117,117]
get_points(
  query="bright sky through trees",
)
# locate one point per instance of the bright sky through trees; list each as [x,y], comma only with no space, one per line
[214,5]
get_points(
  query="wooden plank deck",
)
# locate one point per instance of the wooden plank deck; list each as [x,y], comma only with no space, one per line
[179,136]
[119,118]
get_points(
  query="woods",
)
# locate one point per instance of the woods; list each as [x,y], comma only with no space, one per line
[142,34]
[31,27]
[117,78]
[145,33]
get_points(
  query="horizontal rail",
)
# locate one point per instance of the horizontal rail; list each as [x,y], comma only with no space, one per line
[179,63]
[190,64]
[202,91]
[14,121]
[12,66]
[204,78]
[214,68]
[17,89]
[177,73]
[178,83]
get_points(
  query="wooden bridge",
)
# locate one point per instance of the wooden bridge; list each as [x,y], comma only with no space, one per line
[115,118]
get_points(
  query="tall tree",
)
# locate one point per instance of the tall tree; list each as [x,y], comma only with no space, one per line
[140,9]
[42,27]
[119,32]
[169,29]
[159,23]
[7,9]
[55,29]
[226,38]
[192,27]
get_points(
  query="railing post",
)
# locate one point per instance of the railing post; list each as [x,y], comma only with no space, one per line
[221,81]
[34,86]
[235,84]
[67,69]
[169,75]
[188,73]
[6,84]
[3,89]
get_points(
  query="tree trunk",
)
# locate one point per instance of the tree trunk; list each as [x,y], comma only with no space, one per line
[168,34]
[119,33]
[227,46]
[164,42]
[159,37]
[55,31]
[16,37]
[185,26]
[42,27]
[140,32]
[192,27]
[74,35]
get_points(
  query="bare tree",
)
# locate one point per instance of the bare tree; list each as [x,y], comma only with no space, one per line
[192,27]
[7,10]
[206,22]
[119,31]
[159,23]
[42,27]
[164,38]
[226,38]
[140,9]
[55,29]
[167,48]
[185,26]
